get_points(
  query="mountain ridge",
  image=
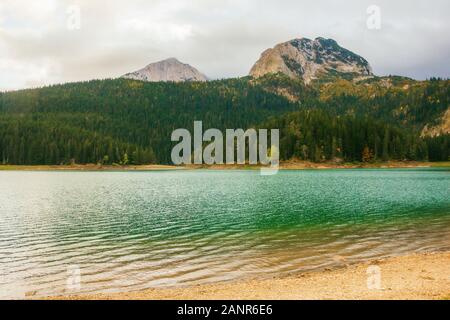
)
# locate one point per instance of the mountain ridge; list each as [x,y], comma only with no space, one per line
[310,60]
[170,69]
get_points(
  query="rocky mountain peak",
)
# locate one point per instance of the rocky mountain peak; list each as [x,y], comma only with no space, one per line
[311,59]
[167,70]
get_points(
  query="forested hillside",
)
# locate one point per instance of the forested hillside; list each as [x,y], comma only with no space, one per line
[317,135]
[130,122]
[122,121]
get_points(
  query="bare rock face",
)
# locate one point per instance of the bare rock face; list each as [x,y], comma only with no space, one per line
[167,70]
[311,59]
[442,128]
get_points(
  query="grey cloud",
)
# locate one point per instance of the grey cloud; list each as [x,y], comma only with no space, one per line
[220,38]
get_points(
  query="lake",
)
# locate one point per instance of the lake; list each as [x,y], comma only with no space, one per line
[86,232]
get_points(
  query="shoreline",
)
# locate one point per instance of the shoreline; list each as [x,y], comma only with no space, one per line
[420,276]
[285,165]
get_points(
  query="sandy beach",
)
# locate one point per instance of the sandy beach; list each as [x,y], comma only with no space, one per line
[417,276]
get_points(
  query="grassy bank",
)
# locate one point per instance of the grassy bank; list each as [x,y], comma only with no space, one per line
[86,167]
[286,165]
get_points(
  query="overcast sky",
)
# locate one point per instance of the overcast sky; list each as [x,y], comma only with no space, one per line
[42,43]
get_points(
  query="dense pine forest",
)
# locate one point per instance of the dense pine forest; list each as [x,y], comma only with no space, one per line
[318,136]
[130,122]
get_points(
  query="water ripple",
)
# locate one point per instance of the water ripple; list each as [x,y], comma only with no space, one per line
[131,231]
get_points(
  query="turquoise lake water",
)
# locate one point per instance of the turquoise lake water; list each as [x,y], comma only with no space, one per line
[125,231]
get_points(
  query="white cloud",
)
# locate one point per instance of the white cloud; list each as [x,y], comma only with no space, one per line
[15,75]
[158,31]
[222,38]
